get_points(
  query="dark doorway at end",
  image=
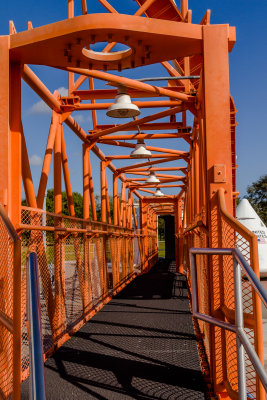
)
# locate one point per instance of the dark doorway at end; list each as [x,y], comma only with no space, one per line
[166,238]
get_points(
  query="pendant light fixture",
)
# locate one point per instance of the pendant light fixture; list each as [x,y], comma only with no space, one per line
[140,150]
[152,178]
[123,107]
[158,193]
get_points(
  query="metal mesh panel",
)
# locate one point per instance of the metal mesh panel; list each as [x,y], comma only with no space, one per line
[229,235]
[199,238]
[6,309]
[80,263]
[216,287]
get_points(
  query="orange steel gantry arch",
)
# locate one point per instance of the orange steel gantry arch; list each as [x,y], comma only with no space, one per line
[203,181]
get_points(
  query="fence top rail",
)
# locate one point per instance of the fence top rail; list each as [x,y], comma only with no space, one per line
[81,220]
[130,233]
[212,251]
[252,277]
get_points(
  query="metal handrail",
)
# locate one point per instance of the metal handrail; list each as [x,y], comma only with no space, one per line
[37,383]
[243,343]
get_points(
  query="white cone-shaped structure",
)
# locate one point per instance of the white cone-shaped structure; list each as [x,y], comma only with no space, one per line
[246,214]
[123,107]
[158,193]
[140,150]
[152,178]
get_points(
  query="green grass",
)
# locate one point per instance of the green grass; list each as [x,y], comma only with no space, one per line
[161,247]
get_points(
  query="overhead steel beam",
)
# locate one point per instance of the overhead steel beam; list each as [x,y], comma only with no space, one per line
[38,86]
[103,94]
[143,127]
[137,122]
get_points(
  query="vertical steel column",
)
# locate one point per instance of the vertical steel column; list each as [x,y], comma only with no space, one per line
[4,118]
[71,74]
[58,257]
[103,191]
[216,118]
[47,159]
[91,189]
[115,199]
[14,197]
[26,173]
[86,212]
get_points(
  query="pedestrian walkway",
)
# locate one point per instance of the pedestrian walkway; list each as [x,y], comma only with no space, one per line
[140,346]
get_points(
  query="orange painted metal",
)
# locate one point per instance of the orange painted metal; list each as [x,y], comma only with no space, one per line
[143,127]
[140,104]
[103,94]
[94,116]
[183,154]
[152,148]
[203,210]
[137,122]
[145,136]
[130,167]
[14,192]
[26,173]
[86,178]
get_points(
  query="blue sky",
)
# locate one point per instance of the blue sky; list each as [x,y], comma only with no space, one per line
[248,83]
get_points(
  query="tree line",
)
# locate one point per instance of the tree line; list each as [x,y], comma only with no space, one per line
[256,194]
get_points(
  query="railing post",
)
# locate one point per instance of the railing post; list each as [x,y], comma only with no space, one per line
[37,385]
[239,321]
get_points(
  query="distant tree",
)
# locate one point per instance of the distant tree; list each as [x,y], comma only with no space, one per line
[77,201]
[78,204]
[257,196]
[98,207]
[161,228]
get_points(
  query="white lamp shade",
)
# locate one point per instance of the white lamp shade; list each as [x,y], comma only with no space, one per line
[158,193]
[152,178]
[140,150]
[123,107]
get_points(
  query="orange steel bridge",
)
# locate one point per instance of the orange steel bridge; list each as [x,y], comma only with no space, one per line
[106,254]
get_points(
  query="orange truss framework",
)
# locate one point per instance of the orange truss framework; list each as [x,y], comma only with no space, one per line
[196,55]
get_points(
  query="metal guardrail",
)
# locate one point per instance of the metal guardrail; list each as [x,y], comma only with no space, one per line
[37,384]
[242,341]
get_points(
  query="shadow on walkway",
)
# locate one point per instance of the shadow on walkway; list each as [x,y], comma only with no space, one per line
[139,346]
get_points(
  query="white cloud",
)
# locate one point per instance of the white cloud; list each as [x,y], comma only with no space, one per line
[79,118]
[35,160]
[63,91]
[39,108]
